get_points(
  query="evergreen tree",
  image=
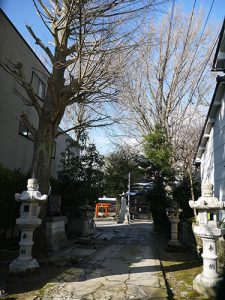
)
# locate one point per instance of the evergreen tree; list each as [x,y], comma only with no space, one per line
[158,150]
[81,174]
[118,165]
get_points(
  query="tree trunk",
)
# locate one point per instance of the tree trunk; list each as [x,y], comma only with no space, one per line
[43,145]
[192,188]
[41,169]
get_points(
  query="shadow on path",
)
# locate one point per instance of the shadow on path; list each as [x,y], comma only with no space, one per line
[124,253]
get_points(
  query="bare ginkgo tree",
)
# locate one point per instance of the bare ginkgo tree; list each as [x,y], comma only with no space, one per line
[170,74]
[79,117]
[89,41]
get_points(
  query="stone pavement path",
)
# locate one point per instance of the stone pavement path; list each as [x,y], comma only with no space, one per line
[127,268]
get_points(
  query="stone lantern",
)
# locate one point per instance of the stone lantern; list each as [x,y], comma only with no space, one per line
[87,215]
[27,222]
[209,230]
[173,216]
[173,213]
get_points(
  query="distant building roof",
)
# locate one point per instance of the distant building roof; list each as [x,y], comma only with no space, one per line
[131,193]
[142,186]
[107,199]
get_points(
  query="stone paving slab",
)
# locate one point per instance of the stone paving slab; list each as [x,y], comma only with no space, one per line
[72,255]
[78,252]
[116,278]
[125,268]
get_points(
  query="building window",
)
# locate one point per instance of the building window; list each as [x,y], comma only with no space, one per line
[38,86]
[23,130]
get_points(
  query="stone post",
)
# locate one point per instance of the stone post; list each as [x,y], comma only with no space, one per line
[208,229]
[55,225]
[124,210]
[27,222]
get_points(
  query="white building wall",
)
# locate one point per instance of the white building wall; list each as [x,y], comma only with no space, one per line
[213,158]
[207,162]
[16,150]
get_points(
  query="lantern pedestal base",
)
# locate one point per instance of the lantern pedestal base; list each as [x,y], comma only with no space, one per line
[84,240]
[206,286]
[123,220]
[174,246]
[18,266]
[174,243]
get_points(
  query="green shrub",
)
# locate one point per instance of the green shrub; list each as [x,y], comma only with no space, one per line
[11,182]
[158,203]
[80,178]
[182,195]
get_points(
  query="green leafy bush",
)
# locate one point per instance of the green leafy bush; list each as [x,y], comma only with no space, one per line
[158,203]
[11,182]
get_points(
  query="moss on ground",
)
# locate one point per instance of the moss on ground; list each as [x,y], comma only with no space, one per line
[180,268]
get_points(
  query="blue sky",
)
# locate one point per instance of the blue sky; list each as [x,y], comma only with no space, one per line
[22,13]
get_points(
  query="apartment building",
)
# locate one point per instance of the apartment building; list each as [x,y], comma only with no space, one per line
[16,146]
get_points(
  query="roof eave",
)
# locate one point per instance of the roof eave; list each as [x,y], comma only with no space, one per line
[219,58]
[211,117]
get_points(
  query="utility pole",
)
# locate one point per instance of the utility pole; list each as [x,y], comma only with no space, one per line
[129,193]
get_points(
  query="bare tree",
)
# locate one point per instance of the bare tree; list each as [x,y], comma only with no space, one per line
[89,43]
[167,77]
[86,37]
[185,146]
[80,117]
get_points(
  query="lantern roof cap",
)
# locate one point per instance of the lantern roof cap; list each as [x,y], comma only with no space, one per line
[207,201]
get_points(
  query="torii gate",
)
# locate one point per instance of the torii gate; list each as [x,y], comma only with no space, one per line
[104,203]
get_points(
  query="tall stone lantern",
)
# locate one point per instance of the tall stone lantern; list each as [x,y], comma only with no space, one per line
[173,216]
[173,213]
[209,230]
[27,222]
[87,229]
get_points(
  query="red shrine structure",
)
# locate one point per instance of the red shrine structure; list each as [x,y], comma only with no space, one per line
[105,207]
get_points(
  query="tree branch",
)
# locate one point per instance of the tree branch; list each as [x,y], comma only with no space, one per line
[86,125]
[39,42]
[27,123]
[17,72]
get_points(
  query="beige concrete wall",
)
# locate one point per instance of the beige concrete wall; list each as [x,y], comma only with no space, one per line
[16,151]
